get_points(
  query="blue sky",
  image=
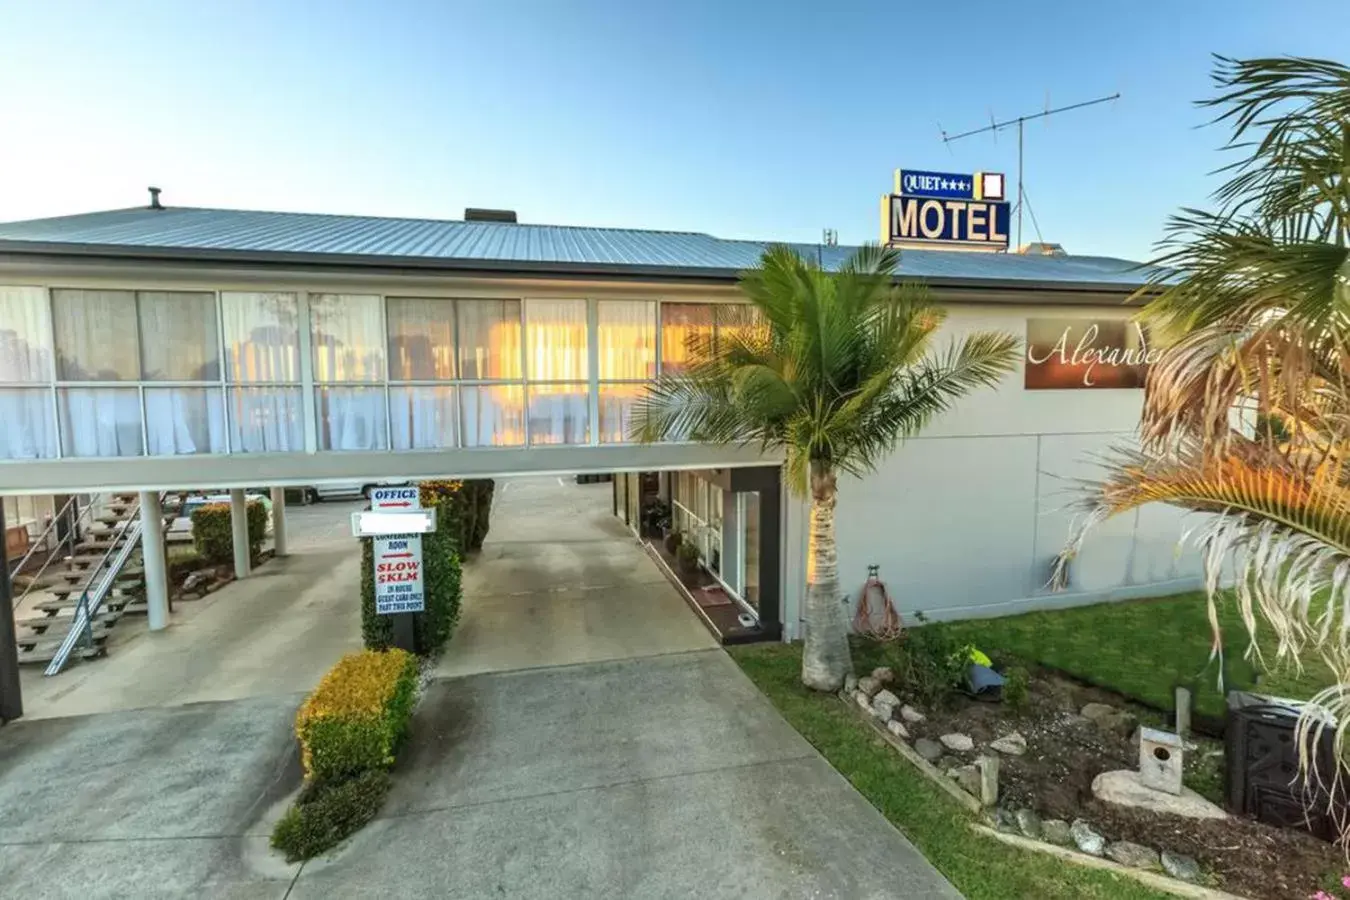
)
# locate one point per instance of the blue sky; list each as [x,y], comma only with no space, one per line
[741,119]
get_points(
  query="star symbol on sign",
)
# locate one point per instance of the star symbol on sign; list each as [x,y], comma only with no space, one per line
[963,185]
[944,183]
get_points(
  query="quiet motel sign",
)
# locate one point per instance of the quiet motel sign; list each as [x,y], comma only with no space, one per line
[965,212]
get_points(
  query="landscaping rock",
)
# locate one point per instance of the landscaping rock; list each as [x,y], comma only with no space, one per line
[1056,831]
[1030,824]
[929,750]
[1124,788]
[863,701]
[1011,745]
[1179,866]
[869,685]
[1005,820]
[850,682]
[1108,718]
[1136,856]
[198,578]
[1086,839]
[897,728]
[883,674]
[884,705]
[961,743]
[968,777]
[911,715]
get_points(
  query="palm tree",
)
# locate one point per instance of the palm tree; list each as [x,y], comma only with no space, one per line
[1246,417]
[837,371]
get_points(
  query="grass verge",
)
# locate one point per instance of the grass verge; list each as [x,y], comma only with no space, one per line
[979,867]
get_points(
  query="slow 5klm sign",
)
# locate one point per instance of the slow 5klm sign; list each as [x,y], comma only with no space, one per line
[398,558]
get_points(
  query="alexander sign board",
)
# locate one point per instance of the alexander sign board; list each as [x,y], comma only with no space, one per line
[942,208]
[1087,353]
[398,557]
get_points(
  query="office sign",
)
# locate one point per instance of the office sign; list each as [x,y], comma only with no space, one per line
[918,220]
[398,557]
[1073,354]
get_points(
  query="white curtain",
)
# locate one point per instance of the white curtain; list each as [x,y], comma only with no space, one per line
[101,421]
[28,430]
[96,335]
[616,411]
[423,418]
[25,335]
[184,420]
[493,416]
[556,332]
[421,339]
[266,420]
[178,336]
[489,339]
[348,337]
[262,341]
[626,339]
[352,419]
[559,414]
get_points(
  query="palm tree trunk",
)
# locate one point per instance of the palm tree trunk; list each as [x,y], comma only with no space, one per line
[825,658]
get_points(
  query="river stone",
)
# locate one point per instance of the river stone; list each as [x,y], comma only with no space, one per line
[968,777]
[929,750]
[869,685]
[883,674]
[884,705]
[961,743]
[911,715]
[1005,821]
[1086,839]
[1011,745]
[1056,831]
[1108,718]
[897,728]
[863,701]
[1179,866]
[1124,788]
[1030,823]
[850,683]
[1136,856]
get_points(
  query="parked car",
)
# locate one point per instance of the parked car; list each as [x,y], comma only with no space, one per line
[181,528]
[335,490]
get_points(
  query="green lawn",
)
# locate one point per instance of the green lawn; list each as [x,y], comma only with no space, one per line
[980,867]
[1142,648]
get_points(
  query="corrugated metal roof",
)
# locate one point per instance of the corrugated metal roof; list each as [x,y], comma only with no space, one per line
[292,237]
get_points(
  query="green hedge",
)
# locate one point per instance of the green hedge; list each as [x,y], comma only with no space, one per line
[212,534]
[440,573]
[358,715]
[327,814]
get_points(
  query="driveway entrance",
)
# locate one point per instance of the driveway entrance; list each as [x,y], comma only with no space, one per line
[560,581]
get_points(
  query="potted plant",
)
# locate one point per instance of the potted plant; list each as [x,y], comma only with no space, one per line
[672,540]
[687,556]
[656,519]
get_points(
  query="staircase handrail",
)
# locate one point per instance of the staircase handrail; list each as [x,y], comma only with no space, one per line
[95,501]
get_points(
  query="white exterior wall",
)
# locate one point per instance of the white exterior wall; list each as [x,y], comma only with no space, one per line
[965,519]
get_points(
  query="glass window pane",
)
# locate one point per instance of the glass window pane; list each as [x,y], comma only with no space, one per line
[178,336]
[25,329]
[262,340]
[559,414]
[421,339]
[680,324]
[489,339]
[351,418]
[627,339]
[95,335]
[100,422]
[556,331]
[29,430]
[184,420]
[493,415]
[616,411]
[348,337]
[423,418]
[266,420]
[737,318]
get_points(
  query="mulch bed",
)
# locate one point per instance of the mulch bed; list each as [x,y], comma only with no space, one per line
[1065,752]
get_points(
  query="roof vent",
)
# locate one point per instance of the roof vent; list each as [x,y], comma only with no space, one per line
[475,214]
[154,198]
[1042,249]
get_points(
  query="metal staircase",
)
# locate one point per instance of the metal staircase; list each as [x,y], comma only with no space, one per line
[91,577]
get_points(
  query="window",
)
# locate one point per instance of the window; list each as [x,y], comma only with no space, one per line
[558,368]
[493,415]
[262,369]
[421,339]
[178,336]
[688,329]
[100,421]
[347,333]
[489,340]
[95,335]
[26,371]
[626,335]
[422,417]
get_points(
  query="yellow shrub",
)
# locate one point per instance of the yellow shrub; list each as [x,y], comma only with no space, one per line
[356,717]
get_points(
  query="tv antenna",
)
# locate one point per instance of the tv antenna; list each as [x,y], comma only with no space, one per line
[995,127]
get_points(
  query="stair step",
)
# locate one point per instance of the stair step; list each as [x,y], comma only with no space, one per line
[111,603]
[49,578]
[55,638]
[45,655]
[45,624]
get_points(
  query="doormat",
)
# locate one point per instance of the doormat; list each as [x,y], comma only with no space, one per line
[712,595]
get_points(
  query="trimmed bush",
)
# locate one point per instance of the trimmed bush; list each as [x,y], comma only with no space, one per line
[440,574]
[357,716]
[213,537]
[327,814]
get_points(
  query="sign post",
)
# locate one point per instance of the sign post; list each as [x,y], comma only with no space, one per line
[398,567]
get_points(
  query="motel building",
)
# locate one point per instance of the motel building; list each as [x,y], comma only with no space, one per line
[165,349]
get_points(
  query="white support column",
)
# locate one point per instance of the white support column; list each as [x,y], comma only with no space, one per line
[278,521]
[239,532]
[152,555]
